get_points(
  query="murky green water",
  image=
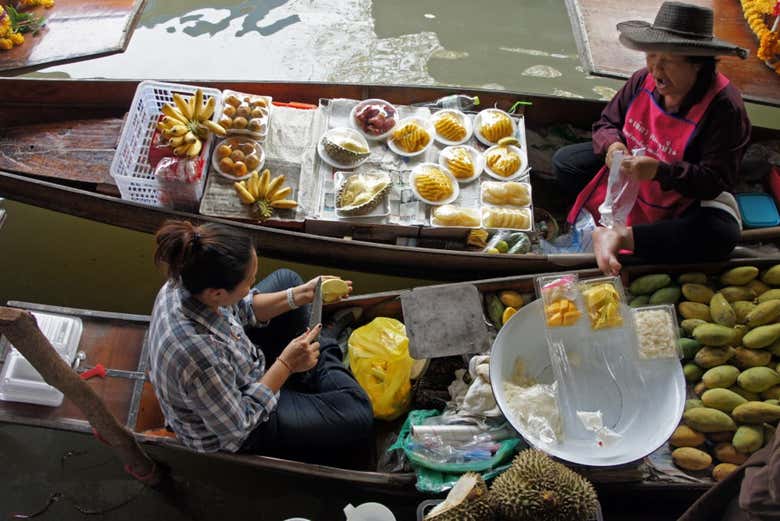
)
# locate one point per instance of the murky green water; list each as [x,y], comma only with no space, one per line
[503,44]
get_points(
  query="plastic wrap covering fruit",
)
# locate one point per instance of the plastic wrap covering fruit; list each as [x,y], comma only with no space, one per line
[602,301]
[559,297]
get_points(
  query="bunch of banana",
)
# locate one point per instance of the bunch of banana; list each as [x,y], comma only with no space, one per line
[264,194]
[187,123]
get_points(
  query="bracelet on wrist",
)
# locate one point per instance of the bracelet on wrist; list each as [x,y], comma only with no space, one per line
[291,299]
[284,363]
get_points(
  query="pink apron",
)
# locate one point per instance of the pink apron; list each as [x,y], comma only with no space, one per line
[665,137]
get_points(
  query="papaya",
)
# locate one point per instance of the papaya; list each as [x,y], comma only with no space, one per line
[772,294]
[667,295]
[688,458]
[753,412]
[511,298]
[747,358]
[734,293]
[689,324]
[722,399]
[722,471]
[684,436]
[714,335]
[688,347]
[692,372]
[772,276]
[648,284]
[764,313]
[722,376]
[692,277]
[758,287]
[739,276]
[708,356]
[706,419]
[727,453]
[697,293]
[641,300]
[742,309]
[758,379]
[721,311]
[695,310]
[748,438]
[762,336]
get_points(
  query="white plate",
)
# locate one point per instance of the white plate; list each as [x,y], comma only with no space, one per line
[463,118]
[522,171]
[642,402]
[235,139]
[477,158]
[455,187]
[478,123]
[342,166]
[359,128]
[425,124]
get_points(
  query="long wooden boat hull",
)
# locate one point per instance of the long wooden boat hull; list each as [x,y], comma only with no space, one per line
[117,341]
[44,125]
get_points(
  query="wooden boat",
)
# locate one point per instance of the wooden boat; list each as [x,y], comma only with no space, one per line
[117,341]
[57,140]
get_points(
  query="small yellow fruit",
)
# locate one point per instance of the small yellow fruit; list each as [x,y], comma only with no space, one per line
[492,250]
[333,290]
[511,298]
[508,312]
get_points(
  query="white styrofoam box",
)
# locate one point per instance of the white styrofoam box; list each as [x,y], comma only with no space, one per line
[19,380]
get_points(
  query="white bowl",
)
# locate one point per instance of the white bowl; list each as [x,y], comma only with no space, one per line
[478,123]
[235,139]
[455,188]
[643,401]
[477,158]
[425,124]
[522,171]
[463,118]
[332,162]
[354,122]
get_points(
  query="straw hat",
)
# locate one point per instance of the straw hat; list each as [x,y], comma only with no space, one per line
[678,28]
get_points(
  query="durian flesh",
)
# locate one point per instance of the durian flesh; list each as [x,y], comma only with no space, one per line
[361,193]
[344,147]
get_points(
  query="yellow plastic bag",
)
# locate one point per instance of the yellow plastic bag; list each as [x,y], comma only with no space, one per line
[379,359]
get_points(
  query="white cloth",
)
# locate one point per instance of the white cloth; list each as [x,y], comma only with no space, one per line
[476,399]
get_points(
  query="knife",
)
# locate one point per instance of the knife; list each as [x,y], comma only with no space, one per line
[316,305]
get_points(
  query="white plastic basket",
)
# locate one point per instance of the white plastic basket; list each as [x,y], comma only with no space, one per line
[130,167]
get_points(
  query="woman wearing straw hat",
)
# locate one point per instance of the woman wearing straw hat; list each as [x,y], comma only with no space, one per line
[693,127]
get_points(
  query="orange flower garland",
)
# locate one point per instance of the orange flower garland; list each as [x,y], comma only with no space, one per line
[757,13]
[14,23]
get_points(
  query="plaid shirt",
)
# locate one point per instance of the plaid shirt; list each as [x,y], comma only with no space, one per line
[205,370]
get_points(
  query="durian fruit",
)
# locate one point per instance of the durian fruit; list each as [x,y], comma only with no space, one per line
[345,147]
[467,501]
[361,193]
[535,488]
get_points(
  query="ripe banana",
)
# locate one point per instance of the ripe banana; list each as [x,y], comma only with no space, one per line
[264,194]
[186,123]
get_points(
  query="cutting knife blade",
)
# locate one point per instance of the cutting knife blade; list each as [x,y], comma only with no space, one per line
[316,305]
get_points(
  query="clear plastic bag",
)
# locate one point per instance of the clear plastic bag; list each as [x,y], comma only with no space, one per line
[379,359]
[621,195]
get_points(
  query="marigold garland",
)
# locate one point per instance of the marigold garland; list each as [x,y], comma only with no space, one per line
[14,23]
[756,13]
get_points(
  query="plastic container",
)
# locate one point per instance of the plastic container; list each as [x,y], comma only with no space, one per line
[347,132]
[380,210]
[385,108]
[491,186]
[424,124]
[521,171]
[130,167]
[484,117]
[255,109]
[662,340]
[19,381]
[495,222]
[242,144]
[476,158]
[758,210]
[419,169]
[473,212]
[464,120]
[595,309]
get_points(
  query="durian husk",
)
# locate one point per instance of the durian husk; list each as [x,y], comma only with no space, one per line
[379,186]
[344,149]
[467,501]
[536,487]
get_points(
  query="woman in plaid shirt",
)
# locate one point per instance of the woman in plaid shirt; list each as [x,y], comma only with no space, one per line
[210,335]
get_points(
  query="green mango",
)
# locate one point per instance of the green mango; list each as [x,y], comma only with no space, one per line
[667,295]
[739,276]
[689,347]
[648,284]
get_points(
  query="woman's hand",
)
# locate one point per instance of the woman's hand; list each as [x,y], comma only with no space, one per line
[607,243]
[304,294]
[302,352]
[641,168]
[614,147]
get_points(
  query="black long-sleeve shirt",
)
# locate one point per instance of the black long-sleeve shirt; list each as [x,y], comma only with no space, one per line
[711,160]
